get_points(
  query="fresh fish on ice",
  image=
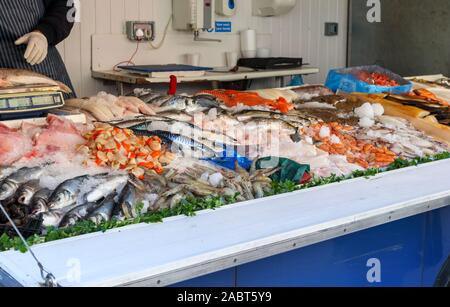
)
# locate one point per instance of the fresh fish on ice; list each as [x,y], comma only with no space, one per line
[104,211]
[78,214]
[11,184]
[26,192]
[110,185]
[39,202]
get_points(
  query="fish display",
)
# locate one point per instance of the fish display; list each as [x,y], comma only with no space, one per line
[13,78]
[151,152]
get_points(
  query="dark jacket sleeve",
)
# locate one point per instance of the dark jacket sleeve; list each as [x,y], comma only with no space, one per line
[55,24]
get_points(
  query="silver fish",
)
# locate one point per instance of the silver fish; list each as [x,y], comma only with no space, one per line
[176,103]
[149,97]
[159,100]
[54,218]
[77,214]
[11,184]
[26,191]
[127,202]
[5,172]
[66,194]
[39,202]
[104,211]
[103,190]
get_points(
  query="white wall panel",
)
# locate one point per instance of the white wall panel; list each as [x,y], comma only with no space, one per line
[299,33]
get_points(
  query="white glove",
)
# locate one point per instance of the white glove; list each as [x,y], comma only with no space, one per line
[37,47]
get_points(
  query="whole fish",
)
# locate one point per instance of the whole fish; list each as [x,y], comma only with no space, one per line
[128,202]
[159,100]
[66,194]
[26,191]
[5,172]
[149,97]
[10,78]
[39,202]
[187,130]
[54,218]
[185,144]
[176,103]
[207,101]
[77,214]
[104,211]
[11,184]
[111,185]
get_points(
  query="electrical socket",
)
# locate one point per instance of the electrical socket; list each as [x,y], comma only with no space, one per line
[147,27]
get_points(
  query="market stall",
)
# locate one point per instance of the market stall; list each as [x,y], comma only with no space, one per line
[156,189]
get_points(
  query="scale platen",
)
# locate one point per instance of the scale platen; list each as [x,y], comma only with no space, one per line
[29,103]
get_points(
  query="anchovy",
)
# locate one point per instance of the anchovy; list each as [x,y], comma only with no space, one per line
[26,192]
[77,214]
[11,184]
[39,202]
[104,211]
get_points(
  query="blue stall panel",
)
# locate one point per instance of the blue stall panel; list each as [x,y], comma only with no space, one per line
[389,255]
[222,279]
[437,244]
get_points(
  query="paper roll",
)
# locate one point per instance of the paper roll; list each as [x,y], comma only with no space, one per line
[248,40]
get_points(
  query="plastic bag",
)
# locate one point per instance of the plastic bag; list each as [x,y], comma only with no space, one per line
[289,170]
[346,80]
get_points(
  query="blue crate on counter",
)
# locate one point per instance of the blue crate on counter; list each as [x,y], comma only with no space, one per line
[346,80]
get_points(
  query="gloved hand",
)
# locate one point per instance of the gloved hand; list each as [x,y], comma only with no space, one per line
[37,47]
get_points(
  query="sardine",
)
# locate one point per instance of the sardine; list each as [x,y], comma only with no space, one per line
[78,214]
[66,194]
[39,202]
[10,78]
[11,184]
[26,191]
[128,202]
[111,185]
[104,211]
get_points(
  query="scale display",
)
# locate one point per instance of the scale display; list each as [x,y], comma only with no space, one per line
[30,102]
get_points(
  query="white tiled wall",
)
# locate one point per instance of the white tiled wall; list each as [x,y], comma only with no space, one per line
[300,33]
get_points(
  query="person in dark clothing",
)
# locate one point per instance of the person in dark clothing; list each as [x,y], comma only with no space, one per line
[29,33]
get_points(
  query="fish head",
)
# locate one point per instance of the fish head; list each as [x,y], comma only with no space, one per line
[61,200]
[38,207]
[51,219]
[7,189]
[25,196]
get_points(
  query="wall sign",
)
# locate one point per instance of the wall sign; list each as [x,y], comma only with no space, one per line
[224,26]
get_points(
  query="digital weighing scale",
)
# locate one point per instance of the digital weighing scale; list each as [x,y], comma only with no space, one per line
[29,102]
